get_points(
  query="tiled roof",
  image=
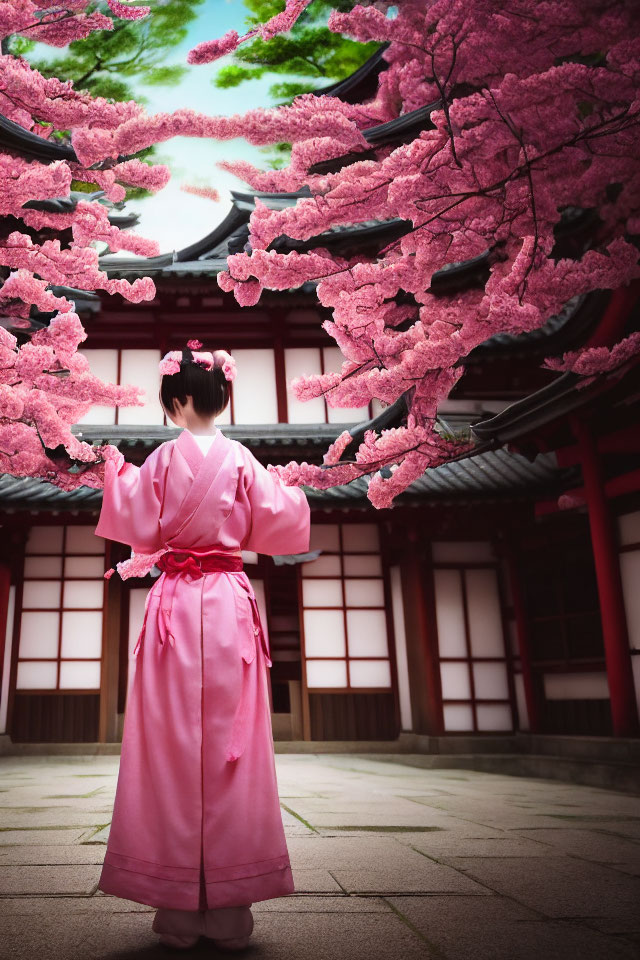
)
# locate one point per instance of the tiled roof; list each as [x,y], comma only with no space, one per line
[486,475]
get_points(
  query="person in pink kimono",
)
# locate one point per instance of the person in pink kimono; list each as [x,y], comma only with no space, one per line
[197,830]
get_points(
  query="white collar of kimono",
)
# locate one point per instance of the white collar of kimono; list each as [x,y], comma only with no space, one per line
[191,449]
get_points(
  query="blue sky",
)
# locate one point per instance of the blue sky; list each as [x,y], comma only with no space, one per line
[172,217]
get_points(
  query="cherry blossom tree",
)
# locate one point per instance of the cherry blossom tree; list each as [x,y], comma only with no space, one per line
[529,110]
[512,114]
[45,384]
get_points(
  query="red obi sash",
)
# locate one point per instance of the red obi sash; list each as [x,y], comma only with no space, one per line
[188,561]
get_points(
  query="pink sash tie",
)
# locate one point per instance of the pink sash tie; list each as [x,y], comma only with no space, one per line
[195,565]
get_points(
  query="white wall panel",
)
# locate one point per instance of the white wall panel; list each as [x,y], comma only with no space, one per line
[302,361]
[457,717]
[483,607]
[84,567]
[324,536]
[494,717]
[450,614]
[629,528]
[360,537]
[454,678]
[367,633]
[41,594]
[6,665]
[630,573]
[39,634]
[81,633]
[80,674]
[224,417]
[140,367]
[521,702]
[369,673]
[324,633]
[326,673]
[36,675]
[363,565]
[104,364]
[254,390]
[44,540]
[83,593]
[82,539]
[324,566]
[321,593]
[364,593]
[43,567]
[400,634]
[490,681]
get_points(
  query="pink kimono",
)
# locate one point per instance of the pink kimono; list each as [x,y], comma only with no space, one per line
[196,820]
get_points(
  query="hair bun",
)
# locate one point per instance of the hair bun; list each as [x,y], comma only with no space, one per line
[172,361]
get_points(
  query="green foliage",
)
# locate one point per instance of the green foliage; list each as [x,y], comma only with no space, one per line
[310,53]
[133,50]
[310,56]
[108,63]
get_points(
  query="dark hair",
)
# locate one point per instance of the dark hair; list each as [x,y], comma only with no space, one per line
[208,388]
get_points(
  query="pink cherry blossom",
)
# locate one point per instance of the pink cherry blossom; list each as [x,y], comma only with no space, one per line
[522,126]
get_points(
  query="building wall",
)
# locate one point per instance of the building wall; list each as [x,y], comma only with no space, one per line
[57,651]
[629,544]
[260,394]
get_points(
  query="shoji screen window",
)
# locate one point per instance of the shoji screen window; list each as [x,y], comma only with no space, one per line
[345,629]
[255,398]
[299,361]
[60,644]
[139,367]
[473,660]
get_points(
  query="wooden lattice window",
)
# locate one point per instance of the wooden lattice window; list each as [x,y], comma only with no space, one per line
[60,643]
[474,676]
[345,640]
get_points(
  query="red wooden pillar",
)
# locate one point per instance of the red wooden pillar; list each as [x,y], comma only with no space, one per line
[422,651]
[605,554]
[5,584]
[522,632]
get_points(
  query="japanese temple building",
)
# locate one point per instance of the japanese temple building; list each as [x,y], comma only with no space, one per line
[498,596]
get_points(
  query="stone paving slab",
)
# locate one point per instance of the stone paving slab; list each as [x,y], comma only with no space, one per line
[314,880]
[462,929]
[32,854]
[20,881]
[390,861]
[445,847]
[557,887]
[67,906]
[39,837]
[613,851]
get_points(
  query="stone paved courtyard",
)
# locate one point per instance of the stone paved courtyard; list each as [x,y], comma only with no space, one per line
[390,860]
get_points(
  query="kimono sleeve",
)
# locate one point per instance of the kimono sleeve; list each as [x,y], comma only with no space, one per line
[132,502]
[280,515]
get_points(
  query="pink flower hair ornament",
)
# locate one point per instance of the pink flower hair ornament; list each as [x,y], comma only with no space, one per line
[171,361]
